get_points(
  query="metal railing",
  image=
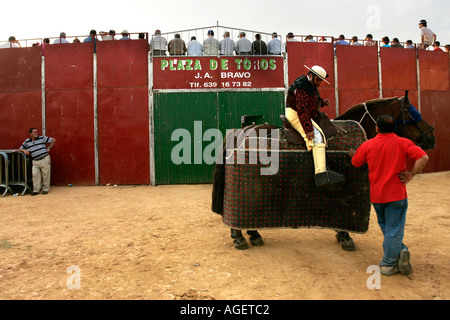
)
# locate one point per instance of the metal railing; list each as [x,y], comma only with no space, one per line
[15,172]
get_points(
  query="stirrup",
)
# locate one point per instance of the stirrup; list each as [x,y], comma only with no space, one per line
[329,181]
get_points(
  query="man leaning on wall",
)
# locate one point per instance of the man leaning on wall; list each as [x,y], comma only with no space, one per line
[36,147]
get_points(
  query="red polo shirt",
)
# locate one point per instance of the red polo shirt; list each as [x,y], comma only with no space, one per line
[386,156]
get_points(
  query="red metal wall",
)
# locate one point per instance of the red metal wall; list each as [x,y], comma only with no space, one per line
[69,112]
[357,69]
[20,95]
[435,104]
[123,112]
[310,54]
[399,73]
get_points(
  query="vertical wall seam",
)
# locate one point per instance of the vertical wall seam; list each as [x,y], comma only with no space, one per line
[97,180]
[336,88]
[151,121]
[44,128]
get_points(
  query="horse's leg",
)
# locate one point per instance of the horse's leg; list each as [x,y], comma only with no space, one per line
[255,238]
[345,240]
[239,241]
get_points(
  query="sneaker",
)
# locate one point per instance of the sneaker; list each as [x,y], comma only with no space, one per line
[44,192]
[389,271]
[34,193]
[403,262]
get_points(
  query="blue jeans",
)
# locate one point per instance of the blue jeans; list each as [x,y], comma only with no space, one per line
[391,219]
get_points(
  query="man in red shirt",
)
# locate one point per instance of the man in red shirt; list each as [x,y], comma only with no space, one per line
[386,156]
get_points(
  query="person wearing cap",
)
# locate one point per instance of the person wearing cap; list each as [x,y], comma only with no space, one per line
[243,45]
[61,39]
[302,110]
[227,46]
[369,42]
[211,45]
[12,43]
[427,37]
[158,44]
[274,45]
[259,47]
[125,35]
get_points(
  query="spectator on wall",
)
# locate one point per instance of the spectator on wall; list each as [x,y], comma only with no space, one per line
[12,43]
[355,42]
[227,46]
[396,43]
[61,39]
[369,42]
[125,35]
[158,44]
[274,45]
[211,45]
[259,47]
[243,45]
[427,37]
[385,40]
[194,48]
[409,44]
[437,46]
[341,41]
[177,46]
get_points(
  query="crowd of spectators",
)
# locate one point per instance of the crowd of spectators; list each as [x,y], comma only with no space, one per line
[159,46]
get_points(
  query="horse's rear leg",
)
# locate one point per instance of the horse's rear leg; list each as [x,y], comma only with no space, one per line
[255,238]
[345,240]
[239,241]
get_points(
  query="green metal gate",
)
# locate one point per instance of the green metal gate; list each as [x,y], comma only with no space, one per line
[195,112]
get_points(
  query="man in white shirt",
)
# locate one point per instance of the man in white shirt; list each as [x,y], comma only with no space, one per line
[227,45]
[427,37]
[274,45]
[61,39]
[158,44]
[194,48]
[12,43]
[243,45]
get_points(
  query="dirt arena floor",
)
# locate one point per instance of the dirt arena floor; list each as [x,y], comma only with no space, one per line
[163,242]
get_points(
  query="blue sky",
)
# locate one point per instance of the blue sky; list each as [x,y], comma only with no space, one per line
[399,18]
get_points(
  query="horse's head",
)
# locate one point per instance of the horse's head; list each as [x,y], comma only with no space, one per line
[411,125]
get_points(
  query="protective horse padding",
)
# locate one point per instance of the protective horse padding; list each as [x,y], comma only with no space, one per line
[290,199]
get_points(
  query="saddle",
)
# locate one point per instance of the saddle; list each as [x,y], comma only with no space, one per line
[293,137]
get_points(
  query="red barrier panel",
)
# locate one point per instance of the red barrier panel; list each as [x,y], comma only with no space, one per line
[357,75]
[123,120]
[310,54]
[434,70]
[70,112]
[20,95]
[399,73]
[436,111]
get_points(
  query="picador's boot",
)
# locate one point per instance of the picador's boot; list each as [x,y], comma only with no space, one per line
[325,179]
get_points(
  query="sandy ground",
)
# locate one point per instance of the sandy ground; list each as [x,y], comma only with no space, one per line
[163,242]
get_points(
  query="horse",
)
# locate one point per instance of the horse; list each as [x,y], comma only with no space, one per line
[409,125]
